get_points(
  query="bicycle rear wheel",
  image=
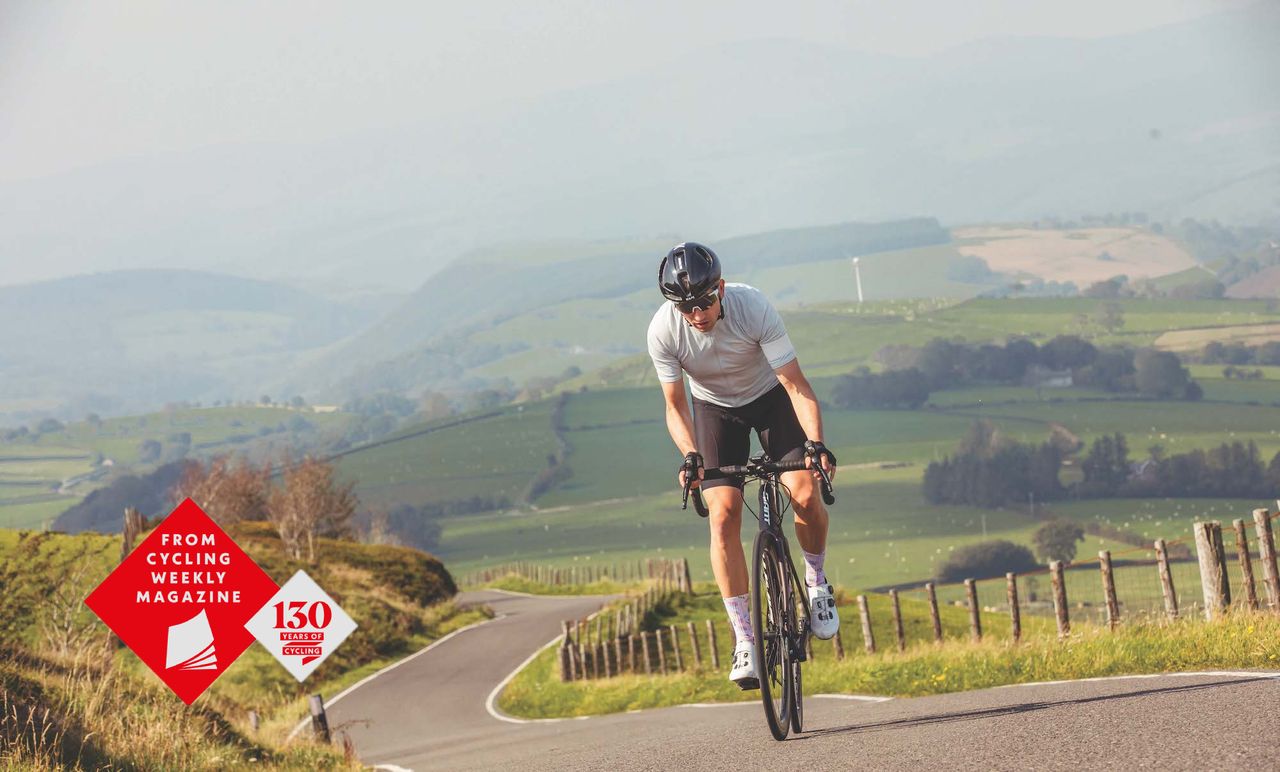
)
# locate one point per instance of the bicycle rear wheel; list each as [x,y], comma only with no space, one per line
[768,618]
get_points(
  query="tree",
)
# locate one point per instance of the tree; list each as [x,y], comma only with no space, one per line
[1106,290]
[148,450]
[434,405]
[310,504]
[940,363]
[1111,370]
[893,389]
[1056,540]
[1160,374]
[1106,467]
[1067,352]
[1110,317]
[985,560]
[49,426]
[227,492]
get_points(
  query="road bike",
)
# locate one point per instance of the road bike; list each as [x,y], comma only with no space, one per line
[779,601]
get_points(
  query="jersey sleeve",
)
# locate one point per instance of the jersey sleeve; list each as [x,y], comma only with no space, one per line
[664,358]
[774,341]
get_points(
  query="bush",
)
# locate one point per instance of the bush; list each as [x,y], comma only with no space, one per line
[985,560]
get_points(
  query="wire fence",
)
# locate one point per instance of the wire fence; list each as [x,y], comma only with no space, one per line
[1136,576]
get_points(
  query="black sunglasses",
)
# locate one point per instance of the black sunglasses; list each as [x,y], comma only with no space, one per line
[699,304]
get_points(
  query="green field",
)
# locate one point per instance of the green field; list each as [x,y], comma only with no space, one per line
[490,457]
[33,467]
[620,501]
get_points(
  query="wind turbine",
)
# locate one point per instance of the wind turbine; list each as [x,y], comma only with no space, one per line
[857,276]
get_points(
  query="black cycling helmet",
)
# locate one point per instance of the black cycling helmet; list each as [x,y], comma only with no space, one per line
[689,271]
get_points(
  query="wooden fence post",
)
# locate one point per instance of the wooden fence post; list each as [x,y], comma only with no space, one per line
[1060,598]
[1166,579]
[1213,568]
[132,527]
[1246,566]
[1109,588]
[662,650]
[711,645]
[1015,614]
[869,639]
[675,647]
[319,722]
[631,652]
[688,578]
[837,646]
[693,641]
[975,618]
[254,721]
[566,661]
[933,611]
[1267,554]
[644,644]
[897,620]
[617,653]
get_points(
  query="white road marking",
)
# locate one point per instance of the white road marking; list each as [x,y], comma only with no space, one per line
[491,704]
[1217,673]
[710,705]
[857,697]
[330,702]
[391,768]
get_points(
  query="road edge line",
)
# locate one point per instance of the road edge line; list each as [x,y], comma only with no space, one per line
[330,702]
[491,704]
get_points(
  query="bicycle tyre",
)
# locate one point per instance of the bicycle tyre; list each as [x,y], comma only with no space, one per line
[798,627]
[768,620]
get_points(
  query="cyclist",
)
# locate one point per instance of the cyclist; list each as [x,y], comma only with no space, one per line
[744,375]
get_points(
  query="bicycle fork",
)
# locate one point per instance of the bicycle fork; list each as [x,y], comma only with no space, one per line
[770,520]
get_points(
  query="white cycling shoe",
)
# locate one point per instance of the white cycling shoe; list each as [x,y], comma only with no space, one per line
[823,618]
[744,666]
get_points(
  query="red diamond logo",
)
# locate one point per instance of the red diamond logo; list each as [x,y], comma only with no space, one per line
[181,599]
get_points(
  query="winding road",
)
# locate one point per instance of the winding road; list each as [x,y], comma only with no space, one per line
[434,710]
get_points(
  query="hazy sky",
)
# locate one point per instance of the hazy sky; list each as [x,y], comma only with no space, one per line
[82,83]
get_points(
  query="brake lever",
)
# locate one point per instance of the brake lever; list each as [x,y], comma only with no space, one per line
[828,495]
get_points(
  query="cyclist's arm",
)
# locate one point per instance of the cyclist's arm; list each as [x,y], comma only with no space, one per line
[679,419]
[804,401]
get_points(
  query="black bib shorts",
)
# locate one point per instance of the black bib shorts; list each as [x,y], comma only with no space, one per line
[723,434]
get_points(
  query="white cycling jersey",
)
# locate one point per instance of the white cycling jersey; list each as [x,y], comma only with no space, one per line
[732,364]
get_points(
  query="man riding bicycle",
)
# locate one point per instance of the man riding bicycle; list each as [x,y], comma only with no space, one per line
[744,375]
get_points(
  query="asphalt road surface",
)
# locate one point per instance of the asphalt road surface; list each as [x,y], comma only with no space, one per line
[433,711]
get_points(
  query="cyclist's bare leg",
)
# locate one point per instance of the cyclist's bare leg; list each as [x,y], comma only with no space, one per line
[811,513]
[727,561]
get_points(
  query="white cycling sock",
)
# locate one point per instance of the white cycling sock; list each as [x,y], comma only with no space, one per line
[739,608]
[813,573]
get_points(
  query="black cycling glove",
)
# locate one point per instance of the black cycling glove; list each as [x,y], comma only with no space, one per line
[692,463]
[816,450]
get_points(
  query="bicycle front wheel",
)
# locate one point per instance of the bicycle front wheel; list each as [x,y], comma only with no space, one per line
[768,618]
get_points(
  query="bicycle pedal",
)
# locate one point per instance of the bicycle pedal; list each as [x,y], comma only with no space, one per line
[748,684]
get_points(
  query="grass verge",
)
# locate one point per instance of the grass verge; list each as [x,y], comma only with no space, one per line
[1143,645]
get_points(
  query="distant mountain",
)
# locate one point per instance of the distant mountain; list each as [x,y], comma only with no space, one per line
[426,342]
[1178,121]
[132,340]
